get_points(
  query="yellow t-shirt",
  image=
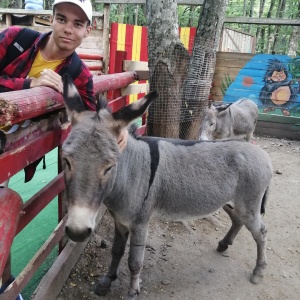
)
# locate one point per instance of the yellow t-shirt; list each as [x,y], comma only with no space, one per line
[40,64]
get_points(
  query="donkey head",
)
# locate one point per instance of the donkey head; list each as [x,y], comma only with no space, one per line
[90,155]
[209,123]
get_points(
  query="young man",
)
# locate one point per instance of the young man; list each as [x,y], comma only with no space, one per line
[52,53]
[48,58]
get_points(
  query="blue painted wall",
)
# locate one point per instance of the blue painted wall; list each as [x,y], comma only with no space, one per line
[271,81]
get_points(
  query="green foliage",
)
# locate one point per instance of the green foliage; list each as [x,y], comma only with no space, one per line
[294,67]
[225,83]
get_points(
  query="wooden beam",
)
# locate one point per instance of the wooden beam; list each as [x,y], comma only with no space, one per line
[18,106]
[133,89]
[106,42]
[31,12]
[54,280]
[180,2]
[24,277]
[130,65]
[262,21]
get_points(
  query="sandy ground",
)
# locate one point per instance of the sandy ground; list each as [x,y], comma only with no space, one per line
[181,261]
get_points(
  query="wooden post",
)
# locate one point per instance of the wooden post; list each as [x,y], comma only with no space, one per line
[106,29]
[120,56]
[10,207]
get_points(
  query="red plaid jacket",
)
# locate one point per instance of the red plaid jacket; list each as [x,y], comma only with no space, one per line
[13,76]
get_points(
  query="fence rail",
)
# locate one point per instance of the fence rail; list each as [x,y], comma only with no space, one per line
[22,149]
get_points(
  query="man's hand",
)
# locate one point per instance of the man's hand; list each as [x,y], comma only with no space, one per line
[122,139]
[48,78]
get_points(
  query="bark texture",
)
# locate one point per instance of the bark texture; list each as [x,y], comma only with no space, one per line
[168,61]
[197,85]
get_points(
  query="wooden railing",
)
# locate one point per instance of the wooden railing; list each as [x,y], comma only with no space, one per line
[20,149]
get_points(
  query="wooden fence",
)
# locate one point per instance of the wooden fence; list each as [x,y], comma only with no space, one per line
[20,149]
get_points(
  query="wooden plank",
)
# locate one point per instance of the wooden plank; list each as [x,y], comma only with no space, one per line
[54,280]
[40,200]
[18,106]
[10,203]
[262,21]
[286,131]
[133,89]
[130,65]
[33,130]
[279,119]
[24,277]
[17,159]
[106,35]
[32,12]
[233,55]
[142,75]
[180,2]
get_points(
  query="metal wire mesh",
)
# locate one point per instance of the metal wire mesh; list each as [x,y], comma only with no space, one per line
[184,93]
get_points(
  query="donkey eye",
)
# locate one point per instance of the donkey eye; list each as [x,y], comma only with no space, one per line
[67,163]
[107,170]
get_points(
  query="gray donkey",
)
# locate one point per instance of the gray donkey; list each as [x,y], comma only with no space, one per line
[234,120]
[167,178]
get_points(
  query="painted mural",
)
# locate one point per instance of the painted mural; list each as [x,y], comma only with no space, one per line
[271,81]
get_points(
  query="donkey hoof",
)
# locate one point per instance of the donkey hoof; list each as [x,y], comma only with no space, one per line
[132,294]
[103,286]
[255,279]
[222,247]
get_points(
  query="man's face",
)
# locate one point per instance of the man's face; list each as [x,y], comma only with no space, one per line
[70,26]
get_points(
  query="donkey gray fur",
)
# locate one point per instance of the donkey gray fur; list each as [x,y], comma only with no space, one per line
[168,178]
[234,120]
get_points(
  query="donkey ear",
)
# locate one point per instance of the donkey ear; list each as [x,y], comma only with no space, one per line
[134,110]
[71,96]
[222,107]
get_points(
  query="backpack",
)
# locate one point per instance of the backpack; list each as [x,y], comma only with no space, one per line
[24,40]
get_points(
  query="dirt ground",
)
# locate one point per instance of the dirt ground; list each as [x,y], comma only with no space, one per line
[181,261]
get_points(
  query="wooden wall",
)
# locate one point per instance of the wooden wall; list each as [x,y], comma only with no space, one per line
[228,65]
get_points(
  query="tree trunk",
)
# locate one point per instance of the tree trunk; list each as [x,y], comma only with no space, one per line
[269,37]
[279,14]
[201,67]
[15,4]
[167,61]
[121,12]
[261,9]
[294,39]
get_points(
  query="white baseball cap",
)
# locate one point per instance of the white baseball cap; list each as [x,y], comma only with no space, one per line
[85,5]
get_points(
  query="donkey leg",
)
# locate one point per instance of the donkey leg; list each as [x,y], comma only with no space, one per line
[259,233]
[233,231]
[118,249]
[138,238]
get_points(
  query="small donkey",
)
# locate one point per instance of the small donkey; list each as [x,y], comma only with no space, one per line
[169,178]
[234,120]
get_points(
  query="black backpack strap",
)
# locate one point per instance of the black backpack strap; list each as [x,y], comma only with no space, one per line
[74,68]
[23,41]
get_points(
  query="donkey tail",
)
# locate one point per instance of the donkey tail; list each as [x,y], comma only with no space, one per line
[264,201]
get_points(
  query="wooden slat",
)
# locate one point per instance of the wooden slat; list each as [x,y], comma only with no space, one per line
[181,2]
[32,12]
[52,283]
[130,65]
[24,277]
[40,200]
[17,159]
[135,89]
[11,204]
[278,130]
[18,106]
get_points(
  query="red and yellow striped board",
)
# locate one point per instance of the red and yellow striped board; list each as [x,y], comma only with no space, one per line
[134,40]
